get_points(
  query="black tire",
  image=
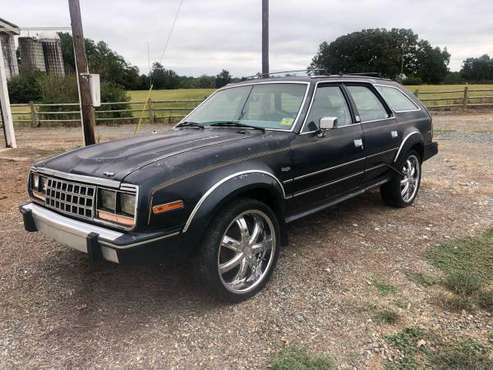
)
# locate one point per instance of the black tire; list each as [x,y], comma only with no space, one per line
[208,259]
[392,191]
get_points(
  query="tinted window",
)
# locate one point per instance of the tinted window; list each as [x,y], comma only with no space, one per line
[397,100]
[329,101]
[367,103]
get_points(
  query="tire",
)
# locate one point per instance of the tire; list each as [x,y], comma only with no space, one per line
[401,191]
[240,250]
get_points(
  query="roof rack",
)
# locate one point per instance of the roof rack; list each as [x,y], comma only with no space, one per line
[363,74]
[308,72]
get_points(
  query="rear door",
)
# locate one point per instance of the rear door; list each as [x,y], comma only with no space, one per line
[326,166]
[380,130]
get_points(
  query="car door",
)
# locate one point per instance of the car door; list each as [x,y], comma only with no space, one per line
[380,130]
[326,165]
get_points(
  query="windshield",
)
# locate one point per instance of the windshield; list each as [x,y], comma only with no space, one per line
[273,106]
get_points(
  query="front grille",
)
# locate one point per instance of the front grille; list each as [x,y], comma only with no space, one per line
[70,197]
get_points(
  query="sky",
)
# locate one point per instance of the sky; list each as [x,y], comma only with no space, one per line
[214,34]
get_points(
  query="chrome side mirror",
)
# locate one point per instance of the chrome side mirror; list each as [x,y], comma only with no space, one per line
[327,123]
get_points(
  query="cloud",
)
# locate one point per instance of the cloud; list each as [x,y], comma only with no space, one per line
[215,34]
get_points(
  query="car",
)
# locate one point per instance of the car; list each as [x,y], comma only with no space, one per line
[222,185]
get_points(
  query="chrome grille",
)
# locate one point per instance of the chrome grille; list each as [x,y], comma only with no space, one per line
[70,197]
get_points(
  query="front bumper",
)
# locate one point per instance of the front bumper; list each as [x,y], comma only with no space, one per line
[98,242]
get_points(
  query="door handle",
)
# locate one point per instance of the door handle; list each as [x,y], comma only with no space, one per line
[358,143]
[394,134]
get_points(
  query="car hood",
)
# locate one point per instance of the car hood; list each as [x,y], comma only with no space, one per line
[117,159]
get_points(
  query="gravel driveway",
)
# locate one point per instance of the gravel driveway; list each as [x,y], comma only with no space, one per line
[57,311]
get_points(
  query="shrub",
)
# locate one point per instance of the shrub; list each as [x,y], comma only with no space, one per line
[467,354]
[25,87]
[111,92]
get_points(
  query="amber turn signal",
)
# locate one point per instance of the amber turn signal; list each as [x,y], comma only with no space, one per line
[167,207]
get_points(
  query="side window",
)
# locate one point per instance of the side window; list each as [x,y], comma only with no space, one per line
[396,99]
[369,106]
[329,101]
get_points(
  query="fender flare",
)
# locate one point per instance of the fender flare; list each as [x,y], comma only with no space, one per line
[411,139]
[226,188]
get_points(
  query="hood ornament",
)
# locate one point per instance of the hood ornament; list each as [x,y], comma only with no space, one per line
[109,174]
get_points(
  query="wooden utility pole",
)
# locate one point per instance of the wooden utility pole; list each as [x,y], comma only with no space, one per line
[5,112]
[265,37]
[82,70]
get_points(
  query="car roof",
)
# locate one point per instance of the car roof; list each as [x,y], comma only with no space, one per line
[317,78]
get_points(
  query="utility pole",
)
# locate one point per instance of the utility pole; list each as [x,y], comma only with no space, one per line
[5,112]
[265,37]
[82,70]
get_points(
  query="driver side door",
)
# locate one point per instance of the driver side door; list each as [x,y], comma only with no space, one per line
[325,166]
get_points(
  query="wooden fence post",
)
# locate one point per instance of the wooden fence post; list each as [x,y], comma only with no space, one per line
[416,93]
[466,98]
[34,115]
[150,110]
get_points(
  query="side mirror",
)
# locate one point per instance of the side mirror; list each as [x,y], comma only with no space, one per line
[327,123]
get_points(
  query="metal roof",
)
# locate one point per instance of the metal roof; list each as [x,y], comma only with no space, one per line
[8,27]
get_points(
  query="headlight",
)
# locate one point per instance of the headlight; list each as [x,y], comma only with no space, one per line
[116,207]
[38,186]
[127,204]
[107,200]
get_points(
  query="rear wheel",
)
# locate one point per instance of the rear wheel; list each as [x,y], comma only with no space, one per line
[240,250]
[401,191]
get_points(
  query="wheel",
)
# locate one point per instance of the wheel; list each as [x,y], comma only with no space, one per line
[240,250]
[401,191]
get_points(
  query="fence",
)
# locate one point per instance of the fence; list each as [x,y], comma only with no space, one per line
[150,111]
[170,111]
[465,98]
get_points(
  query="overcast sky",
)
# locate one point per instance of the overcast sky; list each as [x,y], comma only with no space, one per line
[215,34]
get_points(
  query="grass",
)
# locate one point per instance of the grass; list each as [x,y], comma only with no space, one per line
[178,94]
[383,287]
[463,283]
[387,316]
[437,92]
[294,358]
[421,349]
[422,279]
[485,300]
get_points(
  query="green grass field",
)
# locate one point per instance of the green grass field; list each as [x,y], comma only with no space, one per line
[171,111]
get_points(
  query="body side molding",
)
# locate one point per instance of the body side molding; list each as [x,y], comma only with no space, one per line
[404,142]
[219,183]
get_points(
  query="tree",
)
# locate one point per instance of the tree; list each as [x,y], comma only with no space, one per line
[162,78]
[431,63]
[112,67]
[222,79]
[478,69]
[389,52]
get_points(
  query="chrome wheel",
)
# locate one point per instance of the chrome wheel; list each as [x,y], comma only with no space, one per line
[246,251]
[410,180]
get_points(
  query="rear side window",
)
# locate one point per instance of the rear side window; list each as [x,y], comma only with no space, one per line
[369,106]
[396,99]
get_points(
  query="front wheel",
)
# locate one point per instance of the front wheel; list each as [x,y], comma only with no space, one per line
[240,250]
[401,191]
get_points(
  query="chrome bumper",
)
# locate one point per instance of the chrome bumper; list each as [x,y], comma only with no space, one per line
[75,234]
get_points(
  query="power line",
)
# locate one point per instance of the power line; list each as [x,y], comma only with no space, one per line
[171,31]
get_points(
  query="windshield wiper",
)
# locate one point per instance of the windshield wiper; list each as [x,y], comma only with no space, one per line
[190,124]
[235,124]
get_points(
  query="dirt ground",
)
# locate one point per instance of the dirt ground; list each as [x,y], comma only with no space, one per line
[57,311]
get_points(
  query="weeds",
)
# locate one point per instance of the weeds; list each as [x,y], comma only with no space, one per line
[420,349]
[387,317]
[422,279]
[468,265]
[383,287]
[294,358]
[485,300]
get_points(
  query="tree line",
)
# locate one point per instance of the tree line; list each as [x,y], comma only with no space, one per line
[397,54]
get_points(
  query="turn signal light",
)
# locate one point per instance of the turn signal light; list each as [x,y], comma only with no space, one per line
[167,207]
